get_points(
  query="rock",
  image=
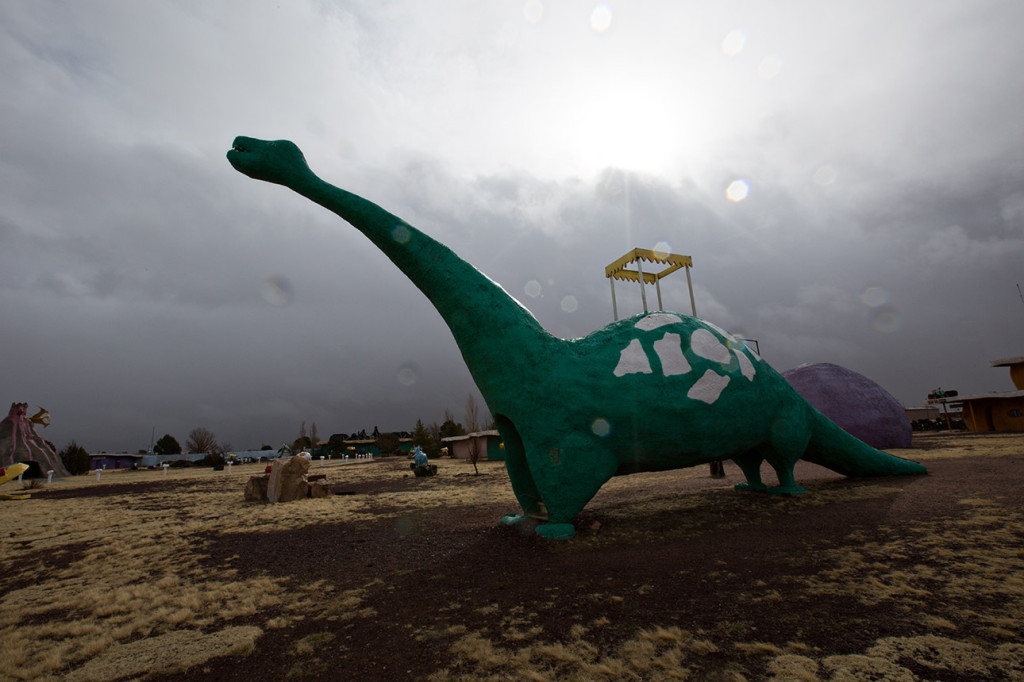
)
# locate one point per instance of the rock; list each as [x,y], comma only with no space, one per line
[319,488]
[287,480]
[857,404]
[256,488]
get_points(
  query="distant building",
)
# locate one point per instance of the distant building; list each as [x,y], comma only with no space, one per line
[917,413]
[115,461]
[488,442]
[994,411]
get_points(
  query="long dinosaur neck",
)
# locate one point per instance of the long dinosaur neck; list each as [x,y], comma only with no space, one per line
[495,333]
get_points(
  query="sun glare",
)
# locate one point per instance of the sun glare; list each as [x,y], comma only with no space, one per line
[626,128]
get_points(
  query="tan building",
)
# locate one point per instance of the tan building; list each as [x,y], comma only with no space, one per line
[488,443]
[994,411]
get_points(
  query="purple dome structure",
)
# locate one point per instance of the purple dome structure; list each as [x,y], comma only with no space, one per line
[860,406]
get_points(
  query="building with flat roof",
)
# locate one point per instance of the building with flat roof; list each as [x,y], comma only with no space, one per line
[488,444]
[999,411]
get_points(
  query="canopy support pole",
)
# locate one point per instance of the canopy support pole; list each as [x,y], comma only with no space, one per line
[643,289]
[615,308]
[689,285]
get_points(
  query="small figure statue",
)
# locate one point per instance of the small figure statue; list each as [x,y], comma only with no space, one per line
[420,464]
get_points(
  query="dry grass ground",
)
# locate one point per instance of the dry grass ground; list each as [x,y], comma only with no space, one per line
[672,576]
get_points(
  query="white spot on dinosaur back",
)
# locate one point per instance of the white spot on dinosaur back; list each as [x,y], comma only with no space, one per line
[716,328]
[706,345]
[655,320]
[670,352]
[746,366]
[633,360]
[708,387]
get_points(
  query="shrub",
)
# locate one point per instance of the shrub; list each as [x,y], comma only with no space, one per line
[387,443]
[214,459]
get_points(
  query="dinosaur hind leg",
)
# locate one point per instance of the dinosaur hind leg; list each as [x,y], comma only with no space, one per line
[789,440]
[750,465]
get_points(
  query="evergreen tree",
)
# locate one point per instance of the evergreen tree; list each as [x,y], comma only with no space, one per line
[75,458]
[167,445]
[421,437]
[450,427]
[336,444]
[387,443]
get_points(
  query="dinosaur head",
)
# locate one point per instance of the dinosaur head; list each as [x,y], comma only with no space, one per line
[277,161]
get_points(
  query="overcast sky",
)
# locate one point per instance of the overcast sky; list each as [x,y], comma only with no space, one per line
[848,178]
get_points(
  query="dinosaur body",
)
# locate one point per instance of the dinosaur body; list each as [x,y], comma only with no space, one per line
[652,392]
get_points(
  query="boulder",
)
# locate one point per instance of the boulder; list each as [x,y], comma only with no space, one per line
[319,488]
[256,488]
[857,404]
[287,480]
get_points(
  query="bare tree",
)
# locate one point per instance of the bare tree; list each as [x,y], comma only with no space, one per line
[201,439]
[472,426]
[312,437]
[472,415]
[302,441]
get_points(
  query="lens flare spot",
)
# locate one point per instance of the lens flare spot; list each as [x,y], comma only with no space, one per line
[769,67]
[737,191]
[875,296]
[824,176]
[601,427]
[570,304]
[601,18]
[277,290]
[408,374]
[533,288]
[736,343]
[662,249]
[733,42]
[401,233]
[533,11]
[886,319]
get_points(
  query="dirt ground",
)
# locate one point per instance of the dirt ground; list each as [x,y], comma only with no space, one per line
[672,575]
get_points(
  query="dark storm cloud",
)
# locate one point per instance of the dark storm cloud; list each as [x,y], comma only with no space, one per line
[146,285]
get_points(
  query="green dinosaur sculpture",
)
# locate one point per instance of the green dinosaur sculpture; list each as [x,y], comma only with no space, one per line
[648,393]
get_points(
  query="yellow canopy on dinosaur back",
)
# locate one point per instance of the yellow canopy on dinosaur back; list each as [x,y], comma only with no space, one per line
[620,270]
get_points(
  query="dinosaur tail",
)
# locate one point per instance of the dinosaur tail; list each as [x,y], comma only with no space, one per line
[835,449]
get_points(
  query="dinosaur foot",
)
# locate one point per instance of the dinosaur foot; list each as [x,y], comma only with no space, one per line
[556,531]
[788,490]
[751,487]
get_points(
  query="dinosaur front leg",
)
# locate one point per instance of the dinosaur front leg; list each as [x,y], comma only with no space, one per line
[568,473]
[519,475]
[554,479]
